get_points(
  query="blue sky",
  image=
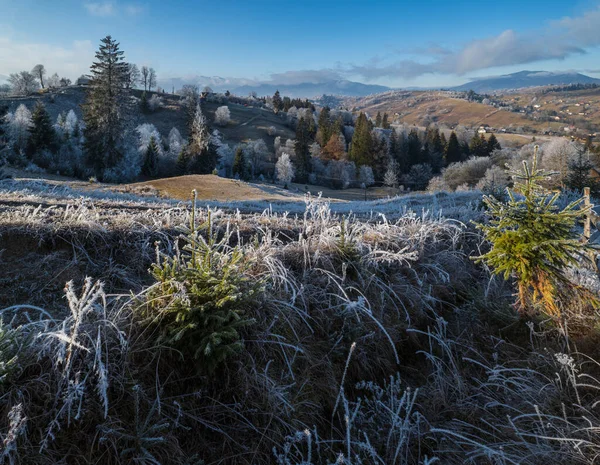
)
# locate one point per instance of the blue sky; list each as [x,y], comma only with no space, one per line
[395,43]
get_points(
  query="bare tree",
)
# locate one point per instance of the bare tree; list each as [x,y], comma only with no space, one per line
[133,74]
[151,78]
[39,71]
[145,76]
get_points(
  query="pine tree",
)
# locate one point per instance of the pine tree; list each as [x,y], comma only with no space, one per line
[183,161]
[493,144]
[361,150]
[453,150]
[144,107]
[378,120]
[324,130]
[478,146]
[150,165]
[535,242]
[42,134]
[384,122]
[106,107]
[414,148]
[578,175]
[240,167]
[277,102]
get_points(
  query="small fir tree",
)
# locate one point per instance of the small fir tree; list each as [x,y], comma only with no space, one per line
[42,135]
[150,165]
[534,242]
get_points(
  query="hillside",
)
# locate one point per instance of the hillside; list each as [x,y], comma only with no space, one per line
[246,122]
[525,79]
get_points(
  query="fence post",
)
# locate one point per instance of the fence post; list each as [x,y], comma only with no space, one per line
[587,204]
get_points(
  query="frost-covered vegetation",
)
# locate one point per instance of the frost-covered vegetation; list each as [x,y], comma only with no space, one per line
[298,333]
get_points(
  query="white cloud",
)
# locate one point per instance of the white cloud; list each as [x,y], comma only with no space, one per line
[104,9]
[70,61]
[101,9]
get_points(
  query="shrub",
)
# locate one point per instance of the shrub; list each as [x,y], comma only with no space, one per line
[202,294]
[535,242]
[466,172]
[222,116]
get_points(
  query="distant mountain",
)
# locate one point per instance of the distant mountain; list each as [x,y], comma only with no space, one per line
[243,87]
[311,89]
[525,79]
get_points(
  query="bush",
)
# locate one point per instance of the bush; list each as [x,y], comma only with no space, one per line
[466,172]
[222,116]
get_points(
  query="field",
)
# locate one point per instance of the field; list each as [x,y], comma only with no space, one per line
[356,332]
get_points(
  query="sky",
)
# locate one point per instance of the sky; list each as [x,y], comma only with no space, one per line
[398,43]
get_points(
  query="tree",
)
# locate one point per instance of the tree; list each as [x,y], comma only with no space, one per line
[133,75]
[39,72]
[42,135]
[106,107]
[23,83]
[534,242]
[378,120]
[556,157]
[384,122]
[151,79]
[53,81]
[335,148]
[361,149]
[390,178]
[222,116]
[202,154]
[145,76]
[324,126]
[303,141]
[578,175]
[150,164]
[240,167]
[478,146]
[453,150]
[365,176]
[284,169]
[277,102]
[419,176]
[493,144]
[144,106]
[413,148]
[19,124]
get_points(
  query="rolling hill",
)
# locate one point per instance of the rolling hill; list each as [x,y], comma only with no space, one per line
[525,79]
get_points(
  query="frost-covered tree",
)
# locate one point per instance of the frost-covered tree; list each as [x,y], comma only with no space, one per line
[146,133]
[225,154]
[418,177]
[23,83]
[201,153]
[222,116]
[284,169]
[176,142]
[53,81]
[145,74]
[155,103]
[39,71]
[390,177]
[151,79]
[257,154]
[19,124]
[365,176]
[106,109]
[556,156]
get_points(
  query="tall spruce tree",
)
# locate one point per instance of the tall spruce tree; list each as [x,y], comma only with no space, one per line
[150,165]
[453,150]
[106,107]
[324,130]
[478,146]
[240,167]
[384,121]
[413,148]
[378,120]
[277,102]
[42,135]
[493,144]
[361,150]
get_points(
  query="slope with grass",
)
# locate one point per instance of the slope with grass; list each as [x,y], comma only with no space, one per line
[298,333]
